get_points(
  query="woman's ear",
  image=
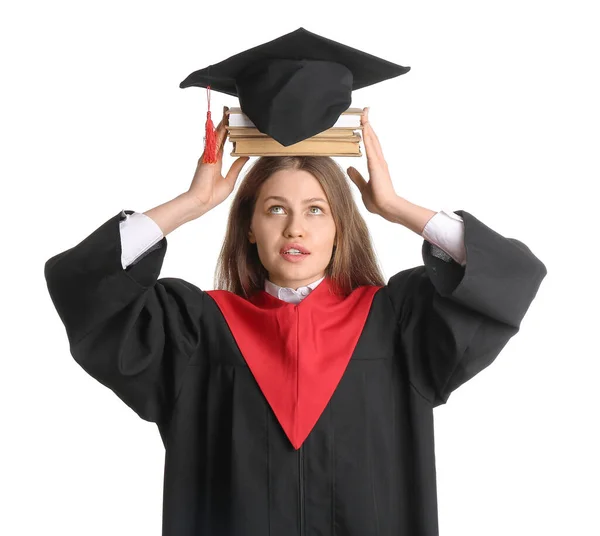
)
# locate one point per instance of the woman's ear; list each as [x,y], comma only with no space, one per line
[251,236]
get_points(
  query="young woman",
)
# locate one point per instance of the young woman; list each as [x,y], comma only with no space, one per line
[297,398]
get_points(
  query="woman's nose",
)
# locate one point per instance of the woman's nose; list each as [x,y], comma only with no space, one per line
[295,226]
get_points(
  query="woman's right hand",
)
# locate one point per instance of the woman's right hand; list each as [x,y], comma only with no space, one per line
[209,187]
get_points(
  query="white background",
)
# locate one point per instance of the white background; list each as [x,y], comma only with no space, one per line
[498,116]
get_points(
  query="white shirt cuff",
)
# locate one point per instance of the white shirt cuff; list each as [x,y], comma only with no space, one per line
[138,234]
[446,230]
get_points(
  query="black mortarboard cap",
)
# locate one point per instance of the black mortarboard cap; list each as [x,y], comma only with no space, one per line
[297,85]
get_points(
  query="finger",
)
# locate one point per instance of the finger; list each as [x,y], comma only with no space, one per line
[364,118]
[370,146]
[357,178]
[220,153]
[368,138]
[371,141]
[376,143]
[235,169]
[225,118]
[221,136]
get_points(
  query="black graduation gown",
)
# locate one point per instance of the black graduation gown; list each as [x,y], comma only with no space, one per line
[279,419]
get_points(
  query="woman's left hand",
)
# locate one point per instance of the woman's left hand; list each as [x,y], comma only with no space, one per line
[378,194]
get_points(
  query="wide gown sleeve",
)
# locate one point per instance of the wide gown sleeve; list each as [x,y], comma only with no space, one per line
[128,329]
[453,320]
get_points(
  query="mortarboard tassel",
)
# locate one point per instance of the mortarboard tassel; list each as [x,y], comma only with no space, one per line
[210,140]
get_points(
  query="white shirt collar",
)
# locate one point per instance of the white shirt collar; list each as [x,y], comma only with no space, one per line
[289,294]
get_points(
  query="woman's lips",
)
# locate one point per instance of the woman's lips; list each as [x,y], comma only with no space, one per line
[294,258]
[293,245]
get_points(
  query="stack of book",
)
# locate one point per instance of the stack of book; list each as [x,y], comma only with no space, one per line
[339,140]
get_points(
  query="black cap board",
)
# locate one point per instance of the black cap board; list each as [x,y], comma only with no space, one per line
[297,85]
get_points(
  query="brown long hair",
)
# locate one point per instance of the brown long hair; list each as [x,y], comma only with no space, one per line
[353,263]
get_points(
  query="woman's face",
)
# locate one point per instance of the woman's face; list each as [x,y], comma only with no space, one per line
[300,214]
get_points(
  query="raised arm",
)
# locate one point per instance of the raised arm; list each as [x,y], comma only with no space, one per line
[454,320]
[129,329]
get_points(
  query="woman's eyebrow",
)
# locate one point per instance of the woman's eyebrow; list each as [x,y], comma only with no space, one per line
[283,199]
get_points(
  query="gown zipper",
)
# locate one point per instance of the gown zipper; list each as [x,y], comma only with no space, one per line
[301,468]
[301,471]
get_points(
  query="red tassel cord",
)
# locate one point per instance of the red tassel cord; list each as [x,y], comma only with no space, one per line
[210,138]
